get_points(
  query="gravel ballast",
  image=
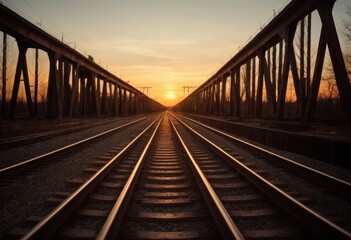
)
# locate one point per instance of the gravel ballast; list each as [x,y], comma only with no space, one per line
[25,196]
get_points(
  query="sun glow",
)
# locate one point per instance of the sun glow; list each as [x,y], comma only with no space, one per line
[170,95]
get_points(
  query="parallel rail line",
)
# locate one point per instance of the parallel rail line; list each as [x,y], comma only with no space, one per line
[48,225]
[312,220]
[169,179]
[30,163]
[7,143]
[327,181]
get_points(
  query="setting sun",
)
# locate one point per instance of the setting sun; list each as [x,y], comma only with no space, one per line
[170,95]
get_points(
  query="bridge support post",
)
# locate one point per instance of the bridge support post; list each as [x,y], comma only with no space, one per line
[238,91]
[232,92]
[336,56]
[60,87]
[82,96]
[265,71]
[124,102]
[259,84]
[211,97]
[218,100]
[302,80]
[288,39]
[52,110]
[253,87]
[104,107]
[66,89]
[203,102]
[224,88]
[87,95]
[36,80]
[130,101]
[4,76]
[120,98]
[21,68]
[247,82]
[312,100]
[97,100]
[109,99]
[114,100]
[274,78]
[136,102]
[74,95]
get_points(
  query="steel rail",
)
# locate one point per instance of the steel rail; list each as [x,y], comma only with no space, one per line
[336,185]
[6,143]
[47,226]
[113,221]
[224,222]
[27,164]
[306,216]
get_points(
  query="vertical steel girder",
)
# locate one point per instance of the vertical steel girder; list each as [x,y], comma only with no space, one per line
[82,98]
[130,101]
[67,95]
[212,88]
[258,112]
[253,87]
[288,51]
[73,110]
[124,103]
[247,82]
[21,68]
[312,100]
[4,77]
[217,94]
[235,92]
[52,110]
[104,107]
[302,80]
[224,86]
[109,104]
[120,102]
[342,79]
[270,91]
[114,104]
[232,92]
[274,49]
[96,106]
[36,81]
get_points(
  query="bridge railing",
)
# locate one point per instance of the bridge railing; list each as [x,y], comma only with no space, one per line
[254,82]
[77,86]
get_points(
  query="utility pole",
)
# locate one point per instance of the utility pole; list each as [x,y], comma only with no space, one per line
[147,89]
[188,87]
[4,66]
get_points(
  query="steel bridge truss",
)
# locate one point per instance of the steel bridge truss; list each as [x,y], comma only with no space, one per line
[272,54]
[75,81]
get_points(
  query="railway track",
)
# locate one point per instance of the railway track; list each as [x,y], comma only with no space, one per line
[172,199]
[29,164]
[292,203]
[331,183]
[166,184]
[99,188]
[12,142]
